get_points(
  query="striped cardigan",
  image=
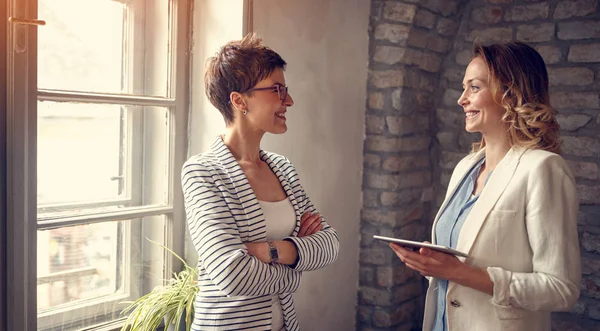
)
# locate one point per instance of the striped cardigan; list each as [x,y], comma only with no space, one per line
[222,211]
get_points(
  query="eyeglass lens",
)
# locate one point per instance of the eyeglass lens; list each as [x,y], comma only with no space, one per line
[282,91]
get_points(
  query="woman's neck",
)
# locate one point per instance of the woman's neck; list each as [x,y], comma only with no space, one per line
[244,147]
[495,150]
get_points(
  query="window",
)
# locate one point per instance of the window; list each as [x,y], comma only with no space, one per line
[110,126]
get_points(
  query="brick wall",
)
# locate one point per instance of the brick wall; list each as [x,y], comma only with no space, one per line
[410,40]
[415,134]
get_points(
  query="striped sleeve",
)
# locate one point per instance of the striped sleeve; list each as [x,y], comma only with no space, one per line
[221,252]
[320,249]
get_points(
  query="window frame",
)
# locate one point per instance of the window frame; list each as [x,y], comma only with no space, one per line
[20,141]
[4,267]
[18,202]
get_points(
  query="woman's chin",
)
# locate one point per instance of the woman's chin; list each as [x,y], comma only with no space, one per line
[471,128]
[279,129]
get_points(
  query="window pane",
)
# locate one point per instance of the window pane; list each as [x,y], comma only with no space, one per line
[99,156]
[79,147]
[105,46]
[81,47]
[88,273]
[79,263]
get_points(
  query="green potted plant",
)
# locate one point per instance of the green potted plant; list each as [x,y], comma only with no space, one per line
[172,303]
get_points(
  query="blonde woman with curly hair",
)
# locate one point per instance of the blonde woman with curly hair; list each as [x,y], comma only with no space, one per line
[511,205]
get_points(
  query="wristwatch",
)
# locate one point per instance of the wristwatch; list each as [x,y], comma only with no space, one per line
[273,252]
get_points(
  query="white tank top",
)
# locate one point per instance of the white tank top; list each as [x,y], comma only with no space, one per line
[280,220]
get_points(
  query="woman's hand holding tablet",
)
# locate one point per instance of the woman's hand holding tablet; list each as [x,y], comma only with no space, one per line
[416,244]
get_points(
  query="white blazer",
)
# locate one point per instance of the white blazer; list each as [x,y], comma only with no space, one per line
[523,230]
[235,288]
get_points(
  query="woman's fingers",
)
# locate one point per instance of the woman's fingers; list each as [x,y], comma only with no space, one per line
[314,227]
[305,216]
[428,262]
[415,260]
[308,224]
[302,221]
[401,251]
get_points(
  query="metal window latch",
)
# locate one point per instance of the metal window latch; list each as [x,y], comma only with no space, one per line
[26,21]
[20,39]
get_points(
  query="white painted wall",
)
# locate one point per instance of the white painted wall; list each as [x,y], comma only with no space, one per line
[215,22]
[326,46]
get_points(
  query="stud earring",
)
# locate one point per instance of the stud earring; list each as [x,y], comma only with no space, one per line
[246,112]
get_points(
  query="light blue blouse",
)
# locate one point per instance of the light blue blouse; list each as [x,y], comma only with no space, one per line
[448,228]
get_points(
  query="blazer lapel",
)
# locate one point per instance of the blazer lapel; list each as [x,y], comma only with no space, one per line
[453,186]
[255,231]
[492,191]
[285,185]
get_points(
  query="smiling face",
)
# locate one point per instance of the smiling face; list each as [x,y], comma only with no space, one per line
[266,111]
[482,112]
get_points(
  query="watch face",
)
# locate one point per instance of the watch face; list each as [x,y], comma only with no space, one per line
[273,252]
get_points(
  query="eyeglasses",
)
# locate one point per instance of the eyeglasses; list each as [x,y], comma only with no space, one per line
[282,90]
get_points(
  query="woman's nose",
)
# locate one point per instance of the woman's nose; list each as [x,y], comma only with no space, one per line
[462,101]
[289,101]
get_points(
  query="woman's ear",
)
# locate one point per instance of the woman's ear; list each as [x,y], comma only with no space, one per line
[237,101]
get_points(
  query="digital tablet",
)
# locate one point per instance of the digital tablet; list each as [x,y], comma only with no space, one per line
[416,244]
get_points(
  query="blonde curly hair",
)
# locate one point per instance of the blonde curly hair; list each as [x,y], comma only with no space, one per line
[519,72]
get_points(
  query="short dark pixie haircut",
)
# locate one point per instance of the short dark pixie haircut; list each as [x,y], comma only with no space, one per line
[237,67]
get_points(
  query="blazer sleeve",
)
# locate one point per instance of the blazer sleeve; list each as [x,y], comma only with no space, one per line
[551,220]
[320,249]
[221,252]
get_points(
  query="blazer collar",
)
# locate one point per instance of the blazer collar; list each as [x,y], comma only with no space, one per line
[232,168]
[231,165]
[492,191]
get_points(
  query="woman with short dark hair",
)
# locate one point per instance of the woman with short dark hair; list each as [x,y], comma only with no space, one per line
[252,223]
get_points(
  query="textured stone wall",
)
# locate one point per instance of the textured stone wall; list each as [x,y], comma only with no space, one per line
[415,134]
[410,41]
